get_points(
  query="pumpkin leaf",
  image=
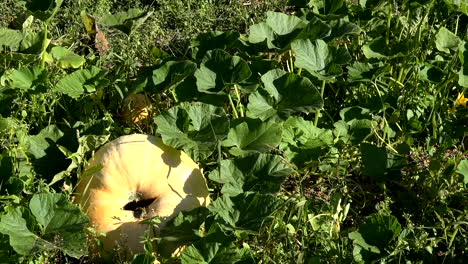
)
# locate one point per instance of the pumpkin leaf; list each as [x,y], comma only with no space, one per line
[89,23]
[126,21]
[81,81]
[257,172]
[303,142]
[252,135]
[61,226]
[47,157]
[462,169]
[172,72]
[61,221]
[446,40]
[196,128]
[22,240]
[182,229]
[66,58]
[216,247]
[374,236]
[283,94]
[220,69]
[43,9]
[10,38]
[261,32]
[318,58]
[283,24]
[245,212]
[214,40]
[25,78]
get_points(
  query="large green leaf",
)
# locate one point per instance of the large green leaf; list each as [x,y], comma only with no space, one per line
[446,40]
[359,121]
[257,172]
[172,72]
[79,82]
[196,128]
[186,91]
[312,56]
[283,24]
[261,32]
[126,21]
[360,71]
[462,169]
[182,229]
[219,70]
[318,58]
[66,58]
[363,251]
[457,6]
[378,48]
[431,73]
[374,236]
[25,78]
[215,40]
[315,29]
[43,9]
[463,55]
[303,142]
[334,6]
[61,226]
[374,159]
[283,94]
[22,240]
[252,135]
[38,144]
[245,212]
[32,42]
[46,155]
[261,105]
[279,29]
[340,28]
[61,221]
[215,248]
[10,38]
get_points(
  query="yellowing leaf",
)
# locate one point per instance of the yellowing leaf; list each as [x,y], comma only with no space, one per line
[89,22]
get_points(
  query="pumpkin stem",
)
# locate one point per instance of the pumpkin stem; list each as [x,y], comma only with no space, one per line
[138,206]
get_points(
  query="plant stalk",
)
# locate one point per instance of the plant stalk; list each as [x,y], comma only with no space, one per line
[234,109]
[239,103]
[322,91]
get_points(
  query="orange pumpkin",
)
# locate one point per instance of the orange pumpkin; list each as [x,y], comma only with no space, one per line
[133,178]
[136,108]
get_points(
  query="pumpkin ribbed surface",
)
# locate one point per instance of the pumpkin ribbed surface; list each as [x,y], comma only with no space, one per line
[137,177]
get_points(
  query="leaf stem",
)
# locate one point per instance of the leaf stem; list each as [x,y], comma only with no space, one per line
[46,25]
[239,103]
[389,23]
[322,91]
[291,62]
[234,110]
[44,46]
[174,95]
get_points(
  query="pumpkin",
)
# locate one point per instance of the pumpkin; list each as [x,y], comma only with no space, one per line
[133,178]
[136,108]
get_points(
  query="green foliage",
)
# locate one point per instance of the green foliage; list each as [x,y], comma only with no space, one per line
[57,225]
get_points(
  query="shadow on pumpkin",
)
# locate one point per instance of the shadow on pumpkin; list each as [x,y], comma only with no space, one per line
[128,239]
